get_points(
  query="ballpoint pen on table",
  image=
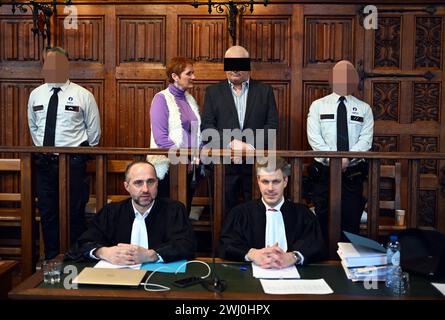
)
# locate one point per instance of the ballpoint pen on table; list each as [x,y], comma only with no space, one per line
[242,268]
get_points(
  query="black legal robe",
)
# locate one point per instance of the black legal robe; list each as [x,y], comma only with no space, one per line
[169,230]
[245,228]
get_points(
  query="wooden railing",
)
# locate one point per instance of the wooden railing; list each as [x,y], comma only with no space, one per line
[178,185]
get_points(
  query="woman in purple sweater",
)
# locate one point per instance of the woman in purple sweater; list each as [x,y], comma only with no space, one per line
[174,117]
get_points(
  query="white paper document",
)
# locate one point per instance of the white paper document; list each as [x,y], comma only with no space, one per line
[317,286]
[285,273]
[108,265]
[440,287]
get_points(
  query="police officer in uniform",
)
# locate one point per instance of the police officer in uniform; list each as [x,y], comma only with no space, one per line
[340,122]
[62,114]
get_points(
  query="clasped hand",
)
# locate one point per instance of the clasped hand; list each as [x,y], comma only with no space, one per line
[272,257]
[127,254]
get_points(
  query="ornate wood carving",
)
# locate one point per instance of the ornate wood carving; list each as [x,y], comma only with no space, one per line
[385,105]
[87,42]
[387,43]
[427,208]
[267,39]
[203,38]
[426,101]
[133,113]
[141,39]
[328,40]
[428,42]
[425,144]
[20,43]
[14,129]
[385,144]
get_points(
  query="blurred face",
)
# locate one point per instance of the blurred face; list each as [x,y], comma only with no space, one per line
[185,79]
[345,78]
[55,67]
[142,185]
[237,77]
[271,186]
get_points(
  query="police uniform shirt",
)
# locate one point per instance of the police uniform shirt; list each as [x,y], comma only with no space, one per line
[322,124]
[77,115]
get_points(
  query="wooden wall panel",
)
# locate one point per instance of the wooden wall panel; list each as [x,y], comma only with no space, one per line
[141,39]
[328,39]
[14,128]
[133,114]
[87,42]
[202,38]
[281,92]
[267,39]
[17,39]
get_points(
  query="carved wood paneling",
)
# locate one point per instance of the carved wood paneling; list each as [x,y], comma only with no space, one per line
[266,39]
[387,42]
[198,92]
[427,208]
[87,42]
[385,144]
[141,39]
[426,144]
[281,92]
[428,42]
[133,112]
[328,40]
[385,105]
[14,129]
[203,38]
[15,31]
[426,101]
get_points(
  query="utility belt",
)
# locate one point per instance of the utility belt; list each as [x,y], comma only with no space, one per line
[317,171]
[53,158]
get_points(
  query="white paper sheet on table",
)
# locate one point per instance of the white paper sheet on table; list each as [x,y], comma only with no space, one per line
[285,273]
[107,265]
[317,286]
[440,287]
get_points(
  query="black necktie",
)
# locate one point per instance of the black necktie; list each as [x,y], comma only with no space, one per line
[342,126]
[51,116]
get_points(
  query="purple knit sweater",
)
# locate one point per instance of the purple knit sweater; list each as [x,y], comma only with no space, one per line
[159,119]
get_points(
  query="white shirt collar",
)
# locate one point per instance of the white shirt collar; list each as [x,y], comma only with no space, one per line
[245,84]
[277,207]
[336,96]
[137,213]
[62,86]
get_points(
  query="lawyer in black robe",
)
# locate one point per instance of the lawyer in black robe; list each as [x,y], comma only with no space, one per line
[247,224]
[169,230]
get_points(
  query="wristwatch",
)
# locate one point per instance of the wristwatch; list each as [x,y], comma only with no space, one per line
[296,256]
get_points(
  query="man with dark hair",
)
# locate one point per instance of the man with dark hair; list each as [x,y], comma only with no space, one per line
[272,232]
[141,229]
[61,114]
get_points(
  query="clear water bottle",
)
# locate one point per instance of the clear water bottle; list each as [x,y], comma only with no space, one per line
[393,257]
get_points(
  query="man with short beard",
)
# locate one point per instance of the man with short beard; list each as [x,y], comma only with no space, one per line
[141,229]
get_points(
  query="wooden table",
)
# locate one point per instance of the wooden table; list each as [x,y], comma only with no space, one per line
[241,286]
[6,268]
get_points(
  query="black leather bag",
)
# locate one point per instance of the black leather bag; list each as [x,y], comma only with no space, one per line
[422,252]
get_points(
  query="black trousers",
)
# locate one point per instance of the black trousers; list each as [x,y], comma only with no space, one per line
[352,200]
[238,179]
[47,189]
[164,187]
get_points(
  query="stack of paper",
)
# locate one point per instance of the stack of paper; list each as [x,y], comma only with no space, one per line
[363,258]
